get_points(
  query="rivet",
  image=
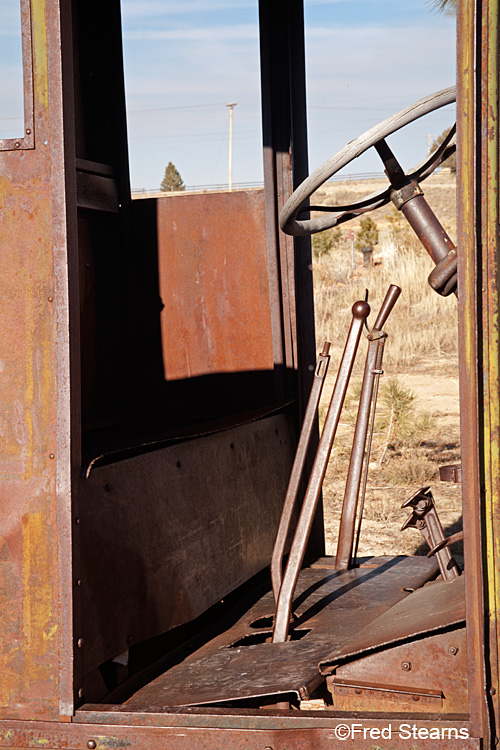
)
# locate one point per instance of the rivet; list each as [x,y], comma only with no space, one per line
[28,131]
[80,642]
[45,143]
[50,299]
[17,144]
[77,521]
[268,748]
[80,693]
[453,650]
[358,691]
[415,697]
[79,582]
[91,744]
[51,455]
[492,691]
[406,666]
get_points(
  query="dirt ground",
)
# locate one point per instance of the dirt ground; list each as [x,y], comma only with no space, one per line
[436,391]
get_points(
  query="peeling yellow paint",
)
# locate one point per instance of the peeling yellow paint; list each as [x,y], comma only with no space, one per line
[39,45]
[38,602]
[50,634]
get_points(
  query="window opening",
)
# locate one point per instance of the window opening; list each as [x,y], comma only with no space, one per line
[16,76]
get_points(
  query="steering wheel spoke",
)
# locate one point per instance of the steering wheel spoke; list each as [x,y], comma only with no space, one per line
[404,191]
[298,201]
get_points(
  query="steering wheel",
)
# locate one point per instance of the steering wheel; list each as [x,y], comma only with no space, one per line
[298,201]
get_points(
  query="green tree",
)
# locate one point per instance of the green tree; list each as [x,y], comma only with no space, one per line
[367,236]
[451,162]
[324,242]
[172,181]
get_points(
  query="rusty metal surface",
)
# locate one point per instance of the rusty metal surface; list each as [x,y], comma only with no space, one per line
[239,664]
[246,732]
[435,606]
[424,517]
[297,469]
[205,266]
[409,199]
[165,535]
[434,238]
[354,475]
[451,473]
[477,40]
[376,695]
[458,537]
[444,275]
[437,663]
[35,595]
[360,311]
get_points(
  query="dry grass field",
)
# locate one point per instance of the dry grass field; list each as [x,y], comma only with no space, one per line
[417,423]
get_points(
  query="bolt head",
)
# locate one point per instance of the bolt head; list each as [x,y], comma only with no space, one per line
[91,744]
[406,666]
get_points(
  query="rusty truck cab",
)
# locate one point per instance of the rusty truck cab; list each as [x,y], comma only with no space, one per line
[156,362]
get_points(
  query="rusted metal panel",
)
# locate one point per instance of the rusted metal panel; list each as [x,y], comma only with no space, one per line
[165,535]
[35,614]
[213,284]
[284,128]
[477,187]
[184,736]
[97,192]
[437,663]
[434,607]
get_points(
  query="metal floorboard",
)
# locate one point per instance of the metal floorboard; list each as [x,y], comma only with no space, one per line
[331,605]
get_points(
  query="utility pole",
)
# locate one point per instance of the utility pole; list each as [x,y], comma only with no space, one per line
[231,106]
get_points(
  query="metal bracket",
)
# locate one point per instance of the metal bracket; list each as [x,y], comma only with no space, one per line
[425,518]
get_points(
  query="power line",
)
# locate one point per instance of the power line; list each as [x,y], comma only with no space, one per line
[186,106]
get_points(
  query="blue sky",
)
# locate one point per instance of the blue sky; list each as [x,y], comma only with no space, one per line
[185,60]
[365,60]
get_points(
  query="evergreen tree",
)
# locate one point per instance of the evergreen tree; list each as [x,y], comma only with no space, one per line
[172,181]
[367,235]
[324,242]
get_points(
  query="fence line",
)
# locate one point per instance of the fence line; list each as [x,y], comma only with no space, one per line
[220,188]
